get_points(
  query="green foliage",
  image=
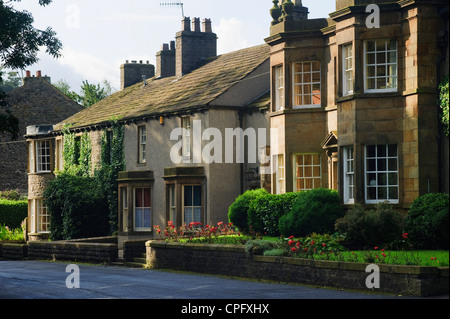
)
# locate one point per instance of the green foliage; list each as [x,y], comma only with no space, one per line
[8,122]
[11,194]
[13,212]
[112,162]
[427,222]
[89,94]
[20,40]
[266,210]
[380,226]
[10,83]
[77,153]
[77,207]
[444,104]
[315,211]
[238,211]
[9,234]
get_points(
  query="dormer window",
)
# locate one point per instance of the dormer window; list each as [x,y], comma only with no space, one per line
[306,84]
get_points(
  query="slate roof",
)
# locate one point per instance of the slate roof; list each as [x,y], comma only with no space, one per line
[194,91]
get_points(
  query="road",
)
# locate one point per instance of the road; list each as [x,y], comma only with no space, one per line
[47,280]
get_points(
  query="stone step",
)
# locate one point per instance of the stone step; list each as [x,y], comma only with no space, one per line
[135,265]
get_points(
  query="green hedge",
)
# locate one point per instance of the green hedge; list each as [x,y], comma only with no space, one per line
[12,212]
[315,211]
[427,222]
[266,210]
[78,208]
[238,211]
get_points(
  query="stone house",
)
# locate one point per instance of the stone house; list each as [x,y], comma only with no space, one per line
[356,105]
[36,102]
[170,119]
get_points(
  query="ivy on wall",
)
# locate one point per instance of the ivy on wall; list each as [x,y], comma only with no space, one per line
[443,102]
[112,162]
[77,152]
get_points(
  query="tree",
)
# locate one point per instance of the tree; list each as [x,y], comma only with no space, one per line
[20,43]
[89,94]
[12,81]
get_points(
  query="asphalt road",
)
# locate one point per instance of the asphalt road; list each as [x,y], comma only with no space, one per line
[47,280]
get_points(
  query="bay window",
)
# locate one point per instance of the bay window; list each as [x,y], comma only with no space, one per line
[380,66]
[381,173]
[306,84]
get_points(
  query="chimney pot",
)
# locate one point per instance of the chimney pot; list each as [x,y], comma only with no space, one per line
[206,24]
[196,25]
[28,74]
[38,74]
[172,45]
[186,24]
[165,47]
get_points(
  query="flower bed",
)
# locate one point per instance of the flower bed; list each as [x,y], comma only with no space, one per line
[239,261]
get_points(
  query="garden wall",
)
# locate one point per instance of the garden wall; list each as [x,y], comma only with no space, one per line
[234,261]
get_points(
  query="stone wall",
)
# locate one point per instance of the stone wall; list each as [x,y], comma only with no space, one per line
[234,261]
[72,251]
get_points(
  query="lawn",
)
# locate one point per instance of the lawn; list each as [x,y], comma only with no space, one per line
[273,247]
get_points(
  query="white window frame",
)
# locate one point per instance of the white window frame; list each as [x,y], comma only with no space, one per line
[386,64]
[42,213]
[186,137]
[347,69]
[43,156]
[307,78]
[193,207]
[142,229]
[279,88]
[372,177]
[349,174]
[142,140]
[280,175]
[172,203]
[304,167]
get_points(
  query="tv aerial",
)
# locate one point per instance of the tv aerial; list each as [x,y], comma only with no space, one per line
[172,3]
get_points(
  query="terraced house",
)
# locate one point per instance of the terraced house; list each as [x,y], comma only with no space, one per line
[354,97]
[193,89]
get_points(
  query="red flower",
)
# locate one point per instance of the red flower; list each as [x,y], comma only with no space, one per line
[376,248]
[291,242]
[405,236]
[384,255]
[290,237]
[324,244]
[294,249]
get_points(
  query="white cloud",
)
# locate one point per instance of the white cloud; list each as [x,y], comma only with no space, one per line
[229,32]
[89,66]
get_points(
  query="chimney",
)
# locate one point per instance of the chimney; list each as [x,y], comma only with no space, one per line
[28,74]
[165,61]
[300,12]
[193,46]
[38,74]
[132,73]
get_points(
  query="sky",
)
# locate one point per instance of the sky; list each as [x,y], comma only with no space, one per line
[100,35]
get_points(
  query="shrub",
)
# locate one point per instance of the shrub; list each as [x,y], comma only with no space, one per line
[315,211]
[13,212]
[77,207]
[238,211]
[266,210]
[11,195]
[382,225]
[427,222]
